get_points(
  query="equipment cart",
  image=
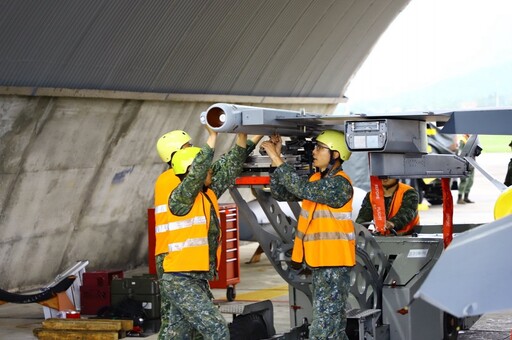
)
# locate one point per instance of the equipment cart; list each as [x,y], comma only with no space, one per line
[229,267]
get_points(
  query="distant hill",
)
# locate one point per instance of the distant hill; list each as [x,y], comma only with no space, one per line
[482,88]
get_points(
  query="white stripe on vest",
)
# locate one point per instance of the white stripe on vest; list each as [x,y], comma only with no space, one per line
[180,224]
[191,242]
[161,208]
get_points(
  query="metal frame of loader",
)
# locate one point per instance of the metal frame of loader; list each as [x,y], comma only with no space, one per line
[389,270]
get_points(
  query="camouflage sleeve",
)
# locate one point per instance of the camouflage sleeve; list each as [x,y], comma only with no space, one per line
[408,210]
[183,197]
[279,191]
[366,211]
[250,147]
[227,168]
[334,191]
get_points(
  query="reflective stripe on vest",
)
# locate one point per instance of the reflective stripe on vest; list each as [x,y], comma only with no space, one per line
[329,236]
[161,209]
[325,214]
[165,184]
[188,247]
[325,236]
[191,242]
[180,224]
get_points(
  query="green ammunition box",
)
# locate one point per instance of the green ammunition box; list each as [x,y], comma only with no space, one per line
[143,289]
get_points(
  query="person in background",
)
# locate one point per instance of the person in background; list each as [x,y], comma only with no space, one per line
[325,237]
[508,176]
[194,244]
[465,182]
[401,204]
[166,146]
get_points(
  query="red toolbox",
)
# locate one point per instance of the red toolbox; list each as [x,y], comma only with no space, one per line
[229,267]
[95,290]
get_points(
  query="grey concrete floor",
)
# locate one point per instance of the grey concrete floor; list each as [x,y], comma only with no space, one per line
[259,280]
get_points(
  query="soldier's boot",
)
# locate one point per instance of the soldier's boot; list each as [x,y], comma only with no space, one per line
[460,200]
[467,200]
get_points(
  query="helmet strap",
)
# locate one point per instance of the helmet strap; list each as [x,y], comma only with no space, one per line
[330,166]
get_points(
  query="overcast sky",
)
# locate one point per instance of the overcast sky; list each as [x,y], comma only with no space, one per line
[433,40]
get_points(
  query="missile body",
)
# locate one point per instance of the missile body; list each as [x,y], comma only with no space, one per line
[231,118]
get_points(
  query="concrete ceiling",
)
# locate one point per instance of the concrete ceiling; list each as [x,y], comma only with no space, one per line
[293,48]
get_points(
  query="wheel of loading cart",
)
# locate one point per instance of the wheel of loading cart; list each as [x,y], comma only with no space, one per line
[231,293]
[367,275]
[248,327]
[451,326]
[366,242]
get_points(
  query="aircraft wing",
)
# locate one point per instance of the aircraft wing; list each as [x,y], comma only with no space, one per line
[333,120]
[473,275]
[491,121]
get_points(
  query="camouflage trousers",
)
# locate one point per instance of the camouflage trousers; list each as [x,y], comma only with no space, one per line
[330,291]
[165,304]
[190,312]
[467,182]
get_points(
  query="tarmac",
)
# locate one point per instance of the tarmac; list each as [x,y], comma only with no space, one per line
[259,281]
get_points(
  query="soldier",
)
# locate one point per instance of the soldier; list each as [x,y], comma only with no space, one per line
[166,146]
[508,176]
[325,237]
[401,205]
[466,183]
[193,249]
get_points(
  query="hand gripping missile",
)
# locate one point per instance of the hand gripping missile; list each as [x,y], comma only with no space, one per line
[231,118]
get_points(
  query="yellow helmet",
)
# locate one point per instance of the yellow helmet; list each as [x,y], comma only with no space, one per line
[183,158]
[503,205]
[335,141]
[170,143]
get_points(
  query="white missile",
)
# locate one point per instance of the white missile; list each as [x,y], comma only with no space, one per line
[231,118]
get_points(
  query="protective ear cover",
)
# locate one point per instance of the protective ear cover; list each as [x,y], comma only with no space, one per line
[183,158]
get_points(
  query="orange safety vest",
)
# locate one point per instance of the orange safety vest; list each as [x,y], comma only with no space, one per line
[188,248]
[325,236]
[164,185]
[396,203]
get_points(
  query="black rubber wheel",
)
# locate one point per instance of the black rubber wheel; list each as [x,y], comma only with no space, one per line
[231,293]
[248,327]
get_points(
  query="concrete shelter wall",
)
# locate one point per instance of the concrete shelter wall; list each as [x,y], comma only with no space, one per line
[77,176]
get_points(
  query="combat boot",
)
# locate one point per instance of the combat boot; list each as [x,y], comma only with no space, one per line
[460,200]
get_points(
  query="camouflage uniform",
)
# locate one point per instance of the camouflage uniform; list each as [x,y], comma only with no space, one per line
[330,285]
[187,295]
[508,176]
[466,183]
[405,214]
[166,307]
